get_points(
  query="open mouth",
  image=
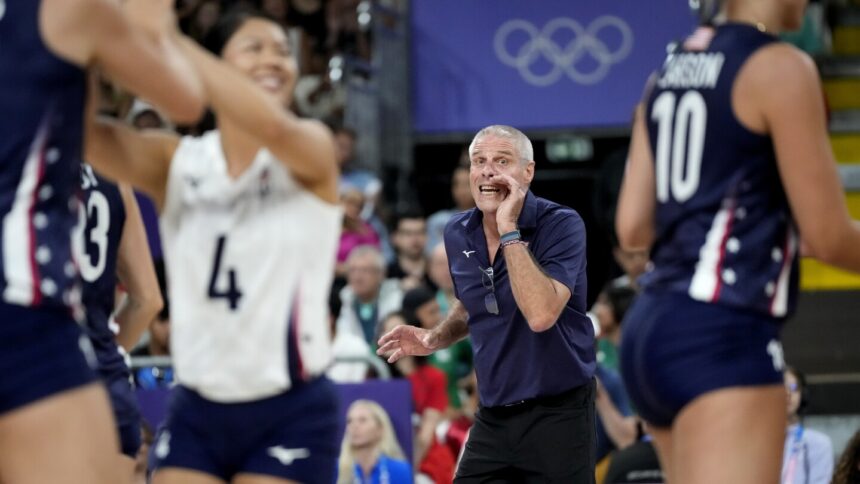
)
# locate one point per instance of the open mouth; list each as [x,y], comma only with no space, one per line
[489,189]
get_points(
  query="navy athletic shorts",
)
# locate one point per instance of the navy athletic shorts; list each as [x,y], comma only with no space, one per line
[43,352]
[290,436]
[674,349]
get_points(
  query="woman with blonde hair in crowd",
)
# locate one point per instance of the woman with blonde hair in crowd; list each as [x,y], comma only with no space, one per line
[370,452]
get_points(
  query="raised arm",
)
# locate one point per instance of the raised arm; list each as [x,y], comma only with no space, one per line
[137,48]
[409,340]
[540,297]
[787,86]
[123,153]
[306,147]
[634,217]
[537,283]
[136,272]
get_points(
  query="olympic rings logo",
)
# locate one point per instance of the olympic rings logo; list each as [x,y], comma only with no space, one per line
[563,58]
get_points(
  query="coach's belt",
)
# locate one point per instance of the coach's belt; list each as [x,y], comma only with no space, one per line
[551,399]
[516,404]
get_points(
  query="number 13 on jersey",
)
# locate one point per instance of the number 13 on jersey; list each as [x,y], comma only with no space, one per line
[231,293]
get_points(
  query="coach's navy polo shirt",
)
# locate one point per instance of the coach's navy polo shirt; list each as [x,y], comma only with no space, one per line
[512,362]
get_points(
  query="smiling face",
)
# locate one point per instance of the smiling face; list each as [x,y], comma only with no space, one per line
[490,157]
[261,50]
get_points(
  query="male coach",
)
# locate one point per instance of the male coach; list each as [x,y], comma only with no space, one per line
[518,265]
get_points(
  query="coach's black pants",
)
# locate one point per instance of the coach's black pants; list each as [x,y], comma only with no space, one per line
[545,440]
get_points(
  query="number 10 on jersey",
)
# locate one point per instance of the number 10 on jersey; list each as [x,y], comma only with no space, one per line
[680,144]
[232,293]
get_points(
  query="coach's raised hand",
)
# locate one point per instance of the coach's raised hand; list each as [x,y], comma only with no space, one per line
[509,210]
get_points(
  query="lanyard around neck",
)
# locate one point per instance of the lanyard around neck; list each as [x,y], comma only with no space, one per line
[794,456]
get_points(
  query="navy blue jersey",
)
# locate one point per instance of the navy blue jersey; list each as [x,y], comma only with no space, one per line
[725,233]
[42,100]
[105,219]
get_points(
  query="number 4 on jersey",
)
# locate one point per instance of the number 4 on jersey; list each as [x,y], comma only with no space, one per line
[232,294]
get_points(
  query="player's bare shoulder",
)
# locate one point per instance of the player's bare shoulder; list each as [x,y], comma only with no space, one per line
[779,67]
[321,141]
[322,137]
[773,76]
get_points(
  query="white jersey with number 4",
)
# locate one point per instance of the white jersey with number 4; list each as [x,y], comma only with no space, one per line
[250,263]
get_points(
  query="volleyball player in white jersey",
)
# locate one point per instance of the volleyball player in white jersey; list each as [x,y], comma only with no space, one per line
[55,421]
[250,223]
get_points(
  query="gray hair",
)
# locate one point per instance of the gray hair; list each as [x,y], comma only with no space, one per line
[520,141]
[367,250]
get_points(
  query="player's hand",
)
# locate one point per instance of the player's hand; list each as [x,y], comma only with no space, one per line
[406,341]
[155,17]
[509,210]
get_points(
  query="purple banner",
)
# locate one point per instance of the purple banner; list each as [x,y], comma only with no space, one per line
[536,64]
